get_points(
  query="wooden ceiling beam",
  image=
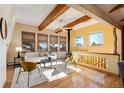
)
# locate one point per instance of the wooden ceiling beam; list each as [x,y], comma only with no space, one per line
[119,6]
[77,21]
[73,23]
[58,31]
[56,12]
[122,20]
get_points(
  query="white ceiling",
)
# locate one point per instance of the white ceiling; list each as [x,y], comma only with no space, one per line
[69,16]
[32,14]
[116,15]
[35,14]
[85,24]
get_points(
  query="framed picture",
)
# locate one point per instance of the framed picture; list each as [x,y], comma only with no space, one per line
[3,28]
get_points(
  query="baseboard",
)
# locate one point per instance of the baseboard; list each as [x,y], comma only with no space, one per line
[4,85]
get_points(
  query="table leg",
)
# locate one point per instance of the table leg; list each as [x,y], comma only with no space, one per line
[51,63]
[40,65]
[56,62]
[44,65]
[14,62]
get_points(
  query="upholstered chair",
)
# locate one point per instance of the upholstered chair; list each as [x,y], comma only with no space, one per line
[70,60]
[121,70]
[28,67]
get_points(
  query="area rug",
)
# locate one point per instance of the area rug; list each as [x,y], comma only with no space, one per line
[47,75]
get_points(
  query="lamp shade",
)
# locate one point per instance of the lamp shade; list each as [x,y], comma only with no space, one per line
[19,49]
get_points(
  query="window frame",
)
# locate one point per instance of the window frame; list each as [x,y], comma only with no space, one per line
[96,44]
[82,40]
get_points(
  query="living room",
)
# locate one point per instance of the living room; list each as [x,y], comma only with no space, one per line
[60,32]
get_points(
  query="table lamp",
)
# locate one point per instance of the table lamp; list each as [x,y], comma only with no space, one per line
[18,49]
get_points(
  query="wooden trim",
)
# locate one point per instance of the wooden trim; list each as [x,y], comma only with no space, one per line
[73,23]
[77,21]
[115,40]
[122,42]
[98,53]
[119,6]
[58,31]
[56,12]
[122,20]
[117,75]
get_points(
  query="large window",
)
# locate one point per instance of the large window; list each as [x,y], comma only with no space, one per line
[53,46]
[79,41]
[28,41]
[62,43]
[42,42]
[96,39]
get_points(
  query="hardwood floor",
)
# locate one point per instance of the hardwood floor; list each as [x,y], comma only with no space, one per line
[87,78]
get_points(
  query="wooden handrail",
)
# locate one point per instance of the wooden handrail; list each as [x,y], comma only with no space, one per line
[98,53]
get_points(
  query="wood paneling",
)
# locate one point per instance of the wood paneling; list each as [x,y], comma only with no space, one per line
[122,42]
[119,6]
[56,12]
[77,21]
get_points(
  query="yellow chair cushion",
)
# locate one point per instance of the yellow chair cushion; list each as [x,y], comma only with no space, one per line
[28,66]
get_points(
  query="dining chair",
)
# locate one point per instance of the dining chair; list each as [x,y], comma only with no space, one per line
[28,67]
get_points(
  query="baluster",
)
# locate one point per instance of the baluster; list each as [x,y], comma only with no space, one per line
[99,62]
[83,59]
[105,63]
[78,59]
[93,61]
[88,60]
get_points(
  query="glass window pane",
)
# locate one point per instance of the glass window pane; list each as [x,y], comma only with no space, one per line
[79,41]
[97,39]
[42,45]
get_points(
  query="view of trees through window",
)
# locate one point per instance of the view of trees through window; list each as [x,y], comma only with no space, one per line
[79,41]
[96,39]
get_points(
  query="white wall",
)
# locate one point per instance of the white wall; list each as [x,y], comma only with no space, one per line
[6,12]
